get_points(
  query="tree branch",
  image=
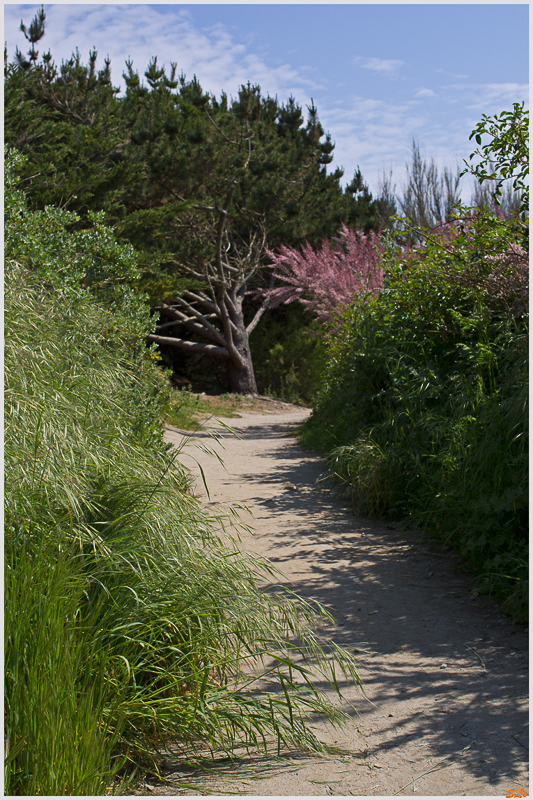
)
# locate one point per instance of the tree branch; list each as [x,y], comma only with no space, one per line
[220,232]
[179,322]
[183,344]
[204,301]
[259,313]
[194,327]
[206,330]
[192,272]
[231,269]
[215,335]
[218,129]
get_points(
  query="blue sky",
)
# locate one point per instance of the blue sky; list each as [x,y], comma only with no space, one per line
[379,74]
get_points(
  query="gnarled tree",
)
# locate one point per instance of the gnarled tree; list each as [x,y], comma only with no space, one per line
[215,313]
[200,186]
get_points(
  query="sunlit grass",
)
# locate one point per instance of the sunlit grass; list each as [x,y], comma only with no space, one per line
[187,409]
[133,624]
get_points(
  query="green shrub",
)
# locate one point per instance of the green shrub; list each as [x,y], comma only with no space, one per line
[424,406]
[289,351]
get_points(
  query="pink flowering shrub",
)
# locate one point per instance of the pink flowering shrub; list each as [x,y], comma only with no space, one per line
[328,279]
[509,279]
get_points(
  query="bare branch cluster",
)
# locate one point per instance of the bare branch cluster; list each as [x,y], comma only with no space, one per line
[214,313]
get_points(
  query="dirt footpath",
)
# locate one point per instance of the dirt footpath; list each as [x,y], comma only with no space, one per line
[446,672]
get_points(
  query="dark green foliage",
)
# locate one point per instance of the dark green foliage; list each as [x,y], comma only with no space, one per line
[424,405]
[289,347]
[183,176]
[158,158]
[33,34]
[65,122]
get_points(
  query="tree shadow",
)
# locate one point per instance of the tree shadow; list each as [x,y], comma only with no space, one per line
[431,642]
[440,664]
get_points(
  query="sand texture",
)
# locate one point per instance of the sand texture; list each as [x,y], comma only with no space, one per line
[446,672]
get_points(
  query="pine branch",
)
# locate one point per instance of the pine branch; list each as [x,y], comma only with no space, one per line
[258,314]
[203,301]
[215,335]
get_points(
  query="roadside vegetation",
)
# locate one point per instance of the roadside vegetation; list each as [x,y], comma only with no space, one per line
[132,621]
[423,408]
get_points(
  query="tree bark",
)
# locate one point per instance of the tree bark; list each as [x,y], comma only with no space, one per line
[182,344]
[242,379]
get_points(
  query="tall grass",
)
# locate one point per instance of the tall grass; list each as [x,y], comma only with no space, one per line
[57,740]
[133,623]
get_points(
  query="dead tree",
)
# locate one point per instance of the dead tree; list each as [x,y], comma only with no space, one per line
[215,313]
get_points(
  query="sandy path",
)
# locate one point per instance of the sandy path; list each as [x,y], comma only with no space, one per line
[446,672]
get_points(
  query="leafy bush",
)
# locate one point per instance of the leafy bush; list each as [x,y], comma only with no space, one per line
[423,409]
[506,156]
[289,352]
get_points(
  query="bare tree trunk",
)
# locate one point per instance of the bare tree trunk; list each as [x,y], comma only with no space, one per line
[241,376]
[242,381]
[215,313]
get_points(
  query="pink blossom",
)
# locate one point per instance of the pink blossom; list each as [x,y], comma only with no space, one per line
[328,279]
[509,279]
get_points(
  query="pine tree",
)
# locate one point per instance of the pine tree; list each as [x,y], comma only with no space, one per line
[33,34]
[199,185]
[65,121]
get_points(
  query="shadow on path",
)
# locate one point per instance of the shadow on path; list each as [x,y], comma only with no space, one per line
[443,668]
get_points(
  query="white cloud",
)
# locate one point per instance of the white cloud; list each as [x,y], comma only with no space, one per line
[141,31]
[384,66]
[377,135]
[374,134]
[452,74]
[491,98]
[372,131]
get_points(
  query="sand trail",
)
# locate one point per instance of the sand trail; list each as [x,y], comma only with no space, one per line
[446,672]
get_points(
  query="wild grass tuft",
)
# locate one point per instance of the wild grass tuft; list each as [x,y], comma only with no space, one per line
[132,622]
[187,409]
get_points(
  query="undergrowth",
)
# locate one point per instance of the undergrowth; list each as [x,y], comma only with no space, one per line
[187,409]
[424,407]
[288,351]
[133,622]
